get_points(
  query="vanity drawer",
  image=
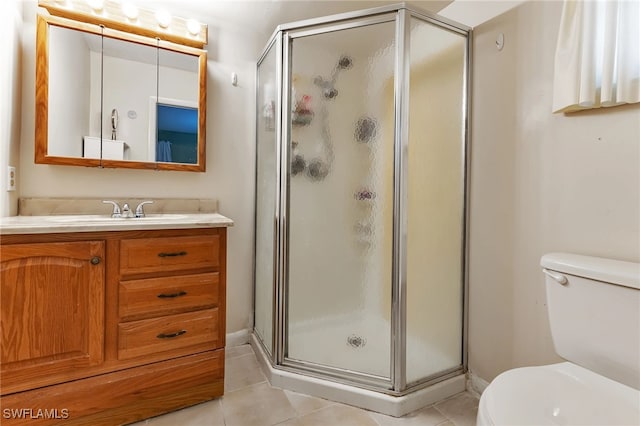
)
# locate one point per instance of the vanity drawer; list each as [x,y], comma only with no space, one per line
[167,295]
[145,255]
[150,336]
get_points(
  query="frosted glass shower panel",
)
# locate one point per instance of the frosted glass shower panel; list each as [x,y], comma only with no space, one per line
[266,190]
[435,209]
[340,201]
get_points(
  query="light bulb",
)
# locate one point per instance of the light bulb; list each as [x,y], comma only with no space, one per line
[164,18]
[193,27]
[130,11]
[96,5]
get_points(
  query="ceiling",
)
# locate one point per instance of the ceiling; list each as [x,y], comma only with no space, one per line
[262,17]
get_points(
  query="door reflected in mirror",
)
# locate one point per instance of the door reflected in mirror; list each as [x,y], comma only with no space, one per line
[177,109]
[177,139]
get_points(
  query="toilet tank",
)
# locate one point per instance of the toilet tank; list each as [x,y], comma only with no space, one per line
[594,313]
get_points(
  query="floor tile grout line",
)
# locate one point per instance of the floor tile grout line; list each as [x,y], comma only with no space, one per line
[448,419]
[333,403]
[247,386]
[285,420]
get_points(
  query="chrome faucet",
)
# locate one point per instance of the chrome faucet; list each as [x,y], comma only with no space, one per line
[126,210]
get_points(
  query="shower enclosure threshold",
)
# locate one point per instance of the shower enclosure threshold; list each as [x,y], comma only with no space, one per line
[396,406]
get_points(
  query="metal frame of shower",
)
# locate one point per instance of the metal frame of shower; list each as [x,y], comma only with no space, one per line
[281,39]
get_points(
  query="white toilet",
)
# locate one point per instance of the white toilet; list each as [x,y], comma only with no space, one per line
[594,312]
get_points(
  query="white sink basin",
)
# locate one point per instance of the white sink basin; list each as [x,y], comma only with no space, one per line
[103,218]
[160,216]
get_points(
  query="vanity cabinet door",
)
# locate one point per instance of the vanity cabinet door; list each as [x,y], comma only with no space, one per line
[51,311]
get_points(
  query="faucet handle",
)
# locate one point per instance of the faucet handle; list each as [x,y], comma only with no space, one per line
[140,208]
[116,208]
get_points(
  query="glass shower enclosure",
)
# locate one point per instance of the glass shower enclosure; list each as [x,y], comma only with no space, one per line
[361,198]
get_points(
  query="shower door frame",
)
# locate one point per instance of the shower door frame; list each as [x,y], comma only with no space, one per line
[281,40]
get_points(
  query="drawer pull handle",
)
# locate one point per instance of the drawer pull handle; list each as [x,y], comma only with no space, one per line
[171,335]
[172,295]
[95,260]
[174,254]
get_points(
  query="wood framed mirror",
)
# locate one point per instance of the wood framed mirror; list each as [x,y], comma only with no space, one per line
[111,98]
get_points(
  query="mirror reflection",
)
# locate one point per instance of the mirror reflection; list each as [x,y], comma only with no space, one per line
[128,80]
[115,99]
[74,91]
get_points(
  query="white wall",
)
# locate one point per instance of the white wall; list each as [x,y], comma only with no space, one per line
[230,155]
[540,182]
[9,100]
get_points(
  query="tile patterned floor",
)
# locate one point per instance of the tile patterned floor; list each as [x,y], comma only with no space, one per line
[249,400]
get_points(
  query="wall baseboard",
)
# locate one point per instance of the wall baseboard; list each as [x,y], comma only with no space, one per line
[476,385]
[238,338]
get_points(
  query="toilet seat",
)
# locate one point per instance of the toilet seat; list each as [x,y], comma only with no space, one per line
[557,394]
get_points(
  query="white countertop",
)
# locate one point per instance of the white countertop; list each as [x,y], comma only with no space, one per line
[97,223]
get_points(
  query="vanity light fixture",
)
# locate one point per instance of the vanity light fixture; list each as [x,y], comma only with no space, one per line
[164,18]
[130,11]
[124,15]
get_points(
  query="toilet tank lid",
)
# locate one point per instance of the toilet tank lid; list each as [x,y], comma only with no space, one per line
[597,268]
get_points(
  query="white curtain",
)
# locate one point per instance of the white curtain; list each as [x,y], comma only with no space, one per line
[597,62]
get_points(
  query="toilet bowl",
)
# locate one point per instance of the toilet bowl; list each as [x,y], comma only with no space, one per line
[594,312]
[557,394]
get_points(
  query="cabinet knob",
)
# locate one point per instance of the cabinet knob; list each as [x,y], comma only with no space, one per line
[95,260]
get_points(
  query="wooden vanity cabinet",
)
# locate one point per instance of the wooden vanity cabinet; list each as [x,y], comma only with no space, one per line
[51,310]
[110,327]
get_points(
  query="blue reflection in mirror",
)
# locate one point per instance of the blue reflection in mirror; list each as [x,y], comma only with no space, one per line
[177,138]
